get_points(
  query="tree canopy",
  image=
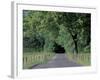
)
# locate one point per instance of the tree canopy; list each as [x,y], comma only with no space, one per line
[43,29]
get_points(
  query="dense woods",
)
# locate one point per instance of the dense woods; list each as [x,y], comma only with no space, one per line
[44,31]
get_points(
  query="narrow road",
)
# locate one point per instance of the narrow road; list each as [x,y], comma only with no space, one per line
[59,60]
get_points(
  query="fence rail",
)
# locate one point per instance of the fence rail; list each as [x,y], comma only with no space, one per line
[29,60]
[84,59]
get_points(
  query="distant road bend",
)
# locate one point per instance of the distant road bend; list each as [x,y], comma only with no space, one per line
[59,60]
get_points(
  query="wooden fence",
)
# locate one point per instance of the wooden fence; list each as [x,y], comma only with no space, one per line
[29,60]
[84,59]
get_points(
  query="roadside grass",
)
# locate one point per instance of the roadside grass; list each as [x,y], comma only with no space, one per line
[34,58]
[83,59]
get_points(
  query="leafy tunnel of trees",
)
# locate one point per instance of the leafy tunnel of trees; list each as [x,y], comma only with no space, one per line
[44,30]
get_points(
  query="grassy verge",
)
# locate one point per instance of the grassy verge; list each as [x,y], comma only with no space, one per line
[30,59]
[83,59]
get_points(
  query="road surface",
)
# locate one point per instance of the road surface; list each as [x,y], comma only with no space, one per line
[59,60]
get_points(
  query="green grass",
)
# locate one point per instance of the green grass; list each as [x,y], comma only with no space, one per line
[34,58]
[29,50]
[83,59]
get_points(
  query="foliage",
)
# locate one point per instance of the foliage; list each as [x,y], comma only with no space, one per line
[42,29]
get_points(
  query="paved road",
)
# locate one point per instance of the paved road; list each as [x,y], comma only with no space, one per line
[59,60]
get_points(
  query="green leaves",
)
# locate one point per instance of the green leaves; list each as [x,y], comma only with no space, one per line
[70,30]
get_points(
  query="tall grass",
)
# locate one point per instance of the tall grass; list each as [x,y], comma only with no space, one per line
[82,58]
[34,58]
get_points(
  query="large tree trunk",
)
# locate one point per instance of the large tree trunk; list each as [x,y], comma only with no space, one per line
[75,42]
[74,37]
[76,47]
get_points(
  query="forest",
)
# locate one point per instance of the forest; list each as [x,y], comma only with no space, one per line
[44,31]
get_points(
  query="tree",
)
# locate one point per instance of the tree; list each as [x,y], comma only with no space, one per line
[76,23]
[70,30]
